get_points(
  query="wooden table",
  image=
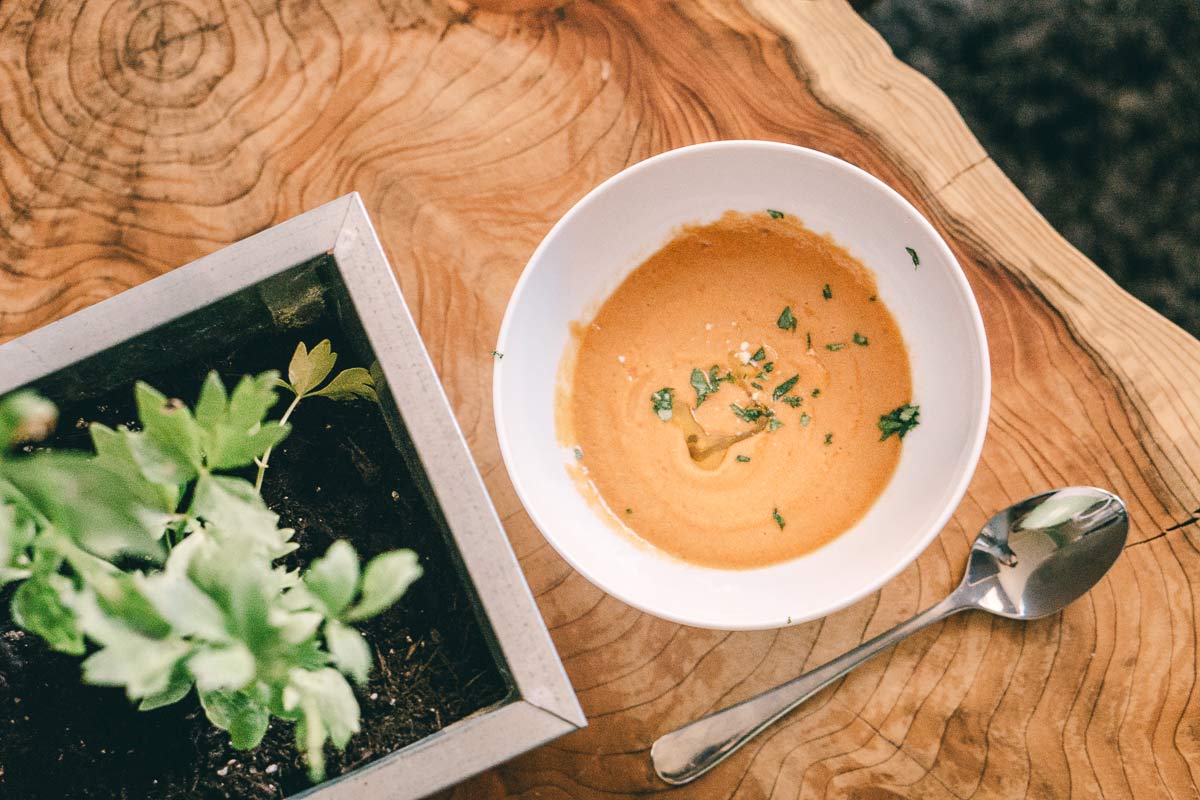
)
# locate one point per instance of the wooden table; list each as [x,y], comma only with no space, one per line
[140,135]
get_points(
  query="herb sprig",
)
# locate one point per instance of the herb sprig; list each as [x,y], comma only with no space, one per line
[662,403]
[307,371]
[784,387]
[899,421]
[749,414]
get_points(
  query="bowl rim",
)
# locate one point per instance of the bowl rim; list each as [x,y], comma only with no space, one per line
[960,283]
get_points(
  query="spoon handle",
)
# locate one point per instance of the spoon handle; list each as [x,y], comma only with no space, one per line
[688,752]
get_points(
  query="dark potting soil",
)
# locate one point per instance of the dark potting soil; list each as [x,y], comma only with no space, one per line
[337,475]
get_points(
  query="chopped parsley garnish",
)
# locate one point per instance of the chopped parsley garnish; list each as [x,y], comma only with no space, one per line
[808,339]
[750,414]
[662,401]
[793,401]
[859,339]
[705,383]
[787,320]
[829,438]
[578,454]
[743,459]
[816,392]
[872,298]
[497,354]
[784,387]
[899,421]
[775,214]
[913,255]
[778,519]
[756,385]
[827,293]
[805,419]
[775,424]
[767,367]
[835,346]
[629,511]
[759,354]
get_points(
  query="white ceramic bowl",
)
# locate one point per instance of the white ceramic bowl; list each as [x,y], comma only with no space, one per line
[627,218]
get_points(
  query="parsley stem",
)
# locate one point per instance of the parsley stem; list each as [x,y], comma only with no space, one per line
[266,457]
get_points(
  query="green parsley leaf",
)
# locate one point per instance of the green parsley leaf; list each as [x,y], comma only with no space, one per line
[769,367]
[756,385]
[899,421]
[915,258]
[173,452]
[816,392]
[629,511]
[784,387]
[41,606]
[704,384]
[835,346]
[350,384]
[805,419]
[98,508]
[743,459]
[244,716]
[231,508]
[350,651]
[496,354]
[662,401]
[829,438]
[808,339]
[827,293]
[872,298]
[310,367]
[793,401]
[333,578]
[326,708]
[750,414]
[236,429]
[787,320]
[578,454]
[778,519]
[759,354]
[385,579]
[859,339]
[775,214]
[225,667]
[775,424]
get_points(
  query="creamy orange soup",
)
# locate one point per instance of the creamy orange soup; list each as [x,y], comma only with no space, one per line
[741,398]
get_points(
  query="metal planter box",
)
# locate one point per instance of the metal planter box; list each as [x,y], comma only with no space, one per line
[331,256]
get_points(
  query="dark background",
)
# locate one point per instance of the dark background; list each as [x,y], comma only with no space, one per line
[1092,107]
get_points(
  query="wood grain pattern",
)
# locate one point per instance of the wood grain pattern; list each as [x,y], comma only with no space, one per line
[140,134]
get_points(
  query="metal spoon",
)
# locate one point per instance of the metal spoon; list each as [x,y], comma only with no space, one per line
[1029,561]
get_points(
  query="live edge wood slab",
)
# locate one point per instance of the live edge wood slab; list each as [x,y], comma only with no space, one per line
[138,136]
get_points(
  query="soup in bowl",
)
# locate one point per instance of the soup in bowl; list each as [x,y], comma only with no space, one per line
[743,384]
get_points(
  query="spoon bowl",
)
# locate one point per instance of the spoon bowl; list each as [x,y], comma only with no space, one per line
[1030,560]
[1035,557]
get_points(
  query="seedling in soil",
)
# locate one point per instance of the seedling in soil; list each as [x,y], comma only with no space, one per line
[307,370]
[160,565]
